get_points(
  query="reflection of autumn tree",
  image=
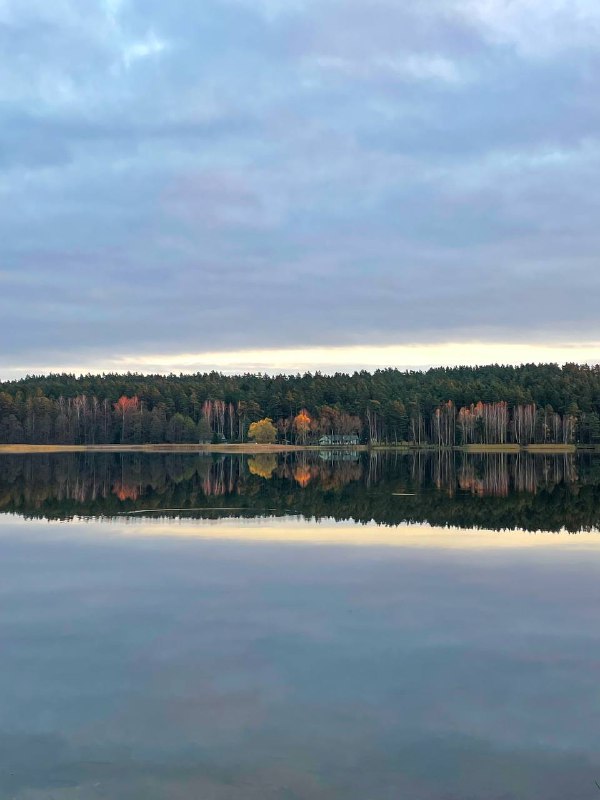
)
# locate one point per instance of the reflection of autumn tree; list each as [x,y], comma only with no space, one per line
[334,476]
[303,474]
[493,483]
[263,465]
[444,471]
[126,491]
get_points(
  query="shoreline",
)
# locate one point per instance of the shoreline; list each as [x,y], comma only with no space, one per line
[254,449]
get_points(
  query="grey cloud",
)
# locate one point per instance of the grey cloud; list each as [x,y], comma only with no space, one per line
[324,173]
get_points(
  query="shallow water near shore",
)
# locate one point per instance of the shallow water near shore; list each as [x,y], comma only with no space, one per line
[342,627]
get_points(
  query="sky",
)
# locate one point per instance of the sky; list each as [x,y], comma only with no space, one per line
[298,184]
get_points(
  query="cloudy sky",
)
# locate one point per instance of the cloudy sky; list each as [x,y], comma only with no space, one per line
[298,183]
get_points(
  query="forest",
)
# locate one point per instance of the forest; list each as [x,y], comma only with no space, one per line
[443,407]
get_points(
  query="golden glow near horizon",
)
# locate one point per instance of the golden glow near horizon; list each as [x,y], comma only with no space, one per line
[330,532]
[328,359]
[325,532]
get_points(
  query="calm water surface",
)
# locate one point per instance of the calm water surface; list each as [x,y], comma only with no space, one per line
[345,627]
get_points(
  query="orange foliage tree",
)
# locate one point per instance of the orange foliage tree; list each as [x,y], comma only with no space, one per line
[302,422]
[125,407]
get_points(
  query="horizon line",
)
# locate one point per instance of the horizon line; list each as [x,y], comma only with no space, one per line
[344,359]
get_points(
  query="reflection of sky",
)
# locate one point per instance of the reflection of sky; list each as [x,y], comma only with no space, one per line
[300,530]
[161,666]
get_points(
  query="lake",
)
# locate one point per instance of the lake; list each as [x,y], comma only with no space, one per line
[339,626]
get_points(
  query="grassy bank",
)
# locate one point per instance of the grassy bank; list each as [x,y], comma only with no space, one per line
[167,448]
[253,449]
[493,448]
[552,448]
[516,448]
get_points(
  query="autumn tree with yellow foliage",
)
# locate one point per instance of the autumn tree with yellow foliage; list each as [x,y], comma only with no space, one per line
[263,431]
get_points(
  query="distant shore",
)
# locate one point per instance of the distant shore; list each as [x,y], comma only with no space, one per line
[249,448]
[254,449]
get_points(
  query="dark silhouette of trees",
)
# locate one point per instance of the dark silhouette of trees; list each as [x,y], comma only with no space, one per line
[441,407]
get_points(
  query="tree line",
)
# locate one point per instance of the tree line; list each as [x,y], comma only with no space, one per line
[492,404]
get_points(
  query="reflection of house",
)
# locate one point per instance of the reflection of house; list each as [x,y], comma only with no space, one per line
[331,439]
[339,455]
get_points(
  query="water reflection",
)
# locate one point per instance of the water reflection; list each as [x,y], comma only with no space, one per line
[184,636]
[496,490]
[137,667]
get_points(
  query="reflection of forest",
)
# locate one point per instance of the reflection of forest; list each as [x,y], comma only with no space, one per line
[498,490]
